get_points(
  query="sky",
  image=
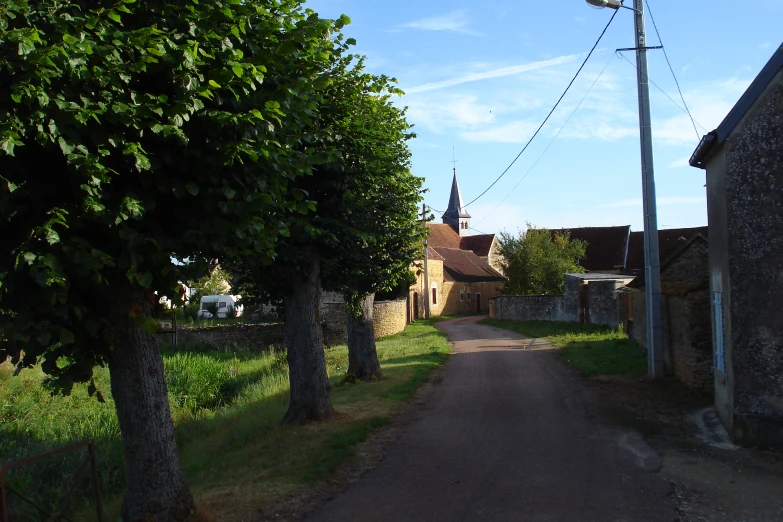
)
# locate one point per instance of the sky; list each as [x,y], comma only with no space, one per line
[480,77]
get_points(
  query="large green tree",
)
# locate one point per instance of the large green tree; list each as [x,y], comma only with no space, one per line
[132,133]
[536,261]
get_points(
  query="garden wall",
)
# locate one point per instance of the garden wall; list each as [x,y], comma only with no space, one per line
[234,337]
[527,308]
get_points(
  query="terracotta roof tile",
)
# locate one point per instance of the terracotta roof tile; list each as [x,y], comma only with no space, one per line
[669,240]
[465,266]
[606,246]
[480,244]
[442,236]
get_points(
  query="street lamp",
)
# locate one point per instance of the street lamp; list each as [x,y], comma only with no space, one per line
[652,268]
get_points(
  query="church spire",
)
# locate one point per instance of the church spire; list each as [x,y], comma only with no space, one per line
[455,214]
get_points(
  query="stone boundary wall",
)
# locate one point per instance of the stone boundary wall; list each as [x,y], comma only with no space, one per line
[603,304]
[389,317]
[527,308]
[235,337]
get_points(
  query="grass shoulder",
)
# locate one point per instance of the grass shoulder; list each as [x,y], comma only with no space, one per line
[227,409]
[593,349]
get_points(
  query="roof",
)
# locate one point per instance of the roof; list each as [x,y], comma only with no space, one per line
[638,281]
[442,236]
[599,277]
[465,266]
[479,245]
[669,240]
[746,101]
[445,236]
[455,209]
[606,246]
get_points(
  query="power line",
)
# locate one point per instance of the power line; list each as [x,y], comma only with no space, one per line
[553,139]
[473,229]
[655,26]
[669,97]
[550,112]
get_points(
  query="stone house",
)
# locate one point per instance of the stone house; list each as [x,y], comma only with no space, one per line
[743,159]
[464,270]
[685,313]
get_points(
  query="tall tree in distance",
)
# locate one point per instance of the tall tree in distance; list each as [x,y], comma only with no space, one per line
[132,133]
[536,261]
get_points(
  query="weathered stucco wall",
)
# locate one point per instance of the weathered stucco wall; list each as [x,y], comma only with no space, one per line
[528,308]
[603,303]
[754,209]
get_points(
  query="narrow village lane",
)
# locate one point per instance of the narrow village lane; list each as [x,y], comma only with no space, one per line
[507,435]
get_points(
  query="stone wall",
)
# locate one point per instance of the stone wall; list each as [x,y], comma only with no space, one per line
[389,317]
[527,308]
[687,336]
[571,298]
[235,337]
[603,303]
[754,212]
[458,298]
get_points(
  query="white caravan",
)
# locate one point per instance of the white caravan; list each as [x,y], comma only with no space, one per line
[223,303]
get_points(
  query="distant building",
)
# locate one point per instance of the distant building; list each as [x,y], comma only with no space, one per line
[743,158]
[464,270]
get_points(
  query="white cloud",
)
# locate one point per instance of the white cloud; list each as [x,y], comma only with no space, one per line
[445,112]
[494,73]
[456,22]
[513,132]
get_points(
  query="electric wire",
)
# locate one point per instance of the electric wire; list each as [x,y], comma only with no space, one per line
[550,112]
[663,48]
[442,212]
[667,95]
[553,139]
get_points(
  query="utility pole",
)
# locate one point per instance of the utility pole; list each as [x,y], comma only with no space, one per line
[652,266]
[426,270]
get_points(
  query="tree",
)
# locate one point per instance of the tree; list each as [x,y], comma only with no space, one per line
[359,235]
[131,133]
[535,261]
[381,201]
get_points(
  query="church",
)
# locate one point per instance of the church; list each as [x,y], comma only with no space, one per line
[464,270]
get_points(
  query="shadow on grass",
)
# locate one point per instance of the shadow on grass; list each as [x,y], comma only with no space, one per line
[593,349]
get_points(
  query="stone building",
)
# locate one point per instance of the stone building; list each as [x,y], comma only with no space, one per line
[743,158]
[464,270]
[607,247]
[685,313]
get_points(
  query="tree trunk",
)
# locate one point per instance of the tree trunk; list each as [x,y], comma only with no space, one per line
[362,353]
[310,398]
[156,488]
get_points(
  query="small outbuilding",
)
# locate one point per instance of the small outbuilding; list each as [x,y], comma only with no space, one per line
[743,158]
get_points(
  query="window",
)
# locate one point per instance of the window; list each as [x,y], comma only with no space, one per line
[462,296]
[435,296]
[222,304]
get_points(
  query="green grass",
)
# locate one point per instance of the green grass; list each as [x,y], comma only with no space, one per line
[594,349]
[227,409]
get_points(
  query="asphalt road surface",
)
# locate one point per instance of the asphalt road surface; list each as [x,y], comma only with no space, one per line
[510,434]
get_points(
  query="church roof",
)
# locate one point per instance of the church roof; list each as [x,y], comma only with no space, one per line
[465,266]
[480,244]
[455,209]
[442,235]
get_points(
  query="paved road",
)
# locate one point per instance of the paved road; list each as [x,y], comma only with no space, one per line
[507,435]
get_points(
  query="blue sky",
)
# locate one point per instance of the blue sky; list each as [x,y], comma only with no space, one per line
[481,76]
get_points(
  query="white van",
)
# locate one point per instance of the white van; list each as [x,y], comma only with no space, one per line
[223,303]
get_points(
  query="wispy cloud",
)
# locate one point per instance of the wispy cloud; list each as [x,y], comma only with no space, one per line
[455,22]
[637,202]
[494,73]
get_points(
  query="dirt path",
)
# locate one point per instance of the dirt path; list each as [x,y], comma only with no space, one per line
[510,434]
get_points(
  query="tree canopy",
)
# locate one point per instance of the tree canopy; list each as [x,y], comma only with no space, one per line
[536,261]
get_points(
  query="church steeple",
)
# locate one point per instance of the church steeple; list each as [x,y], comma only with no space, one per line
[456,216]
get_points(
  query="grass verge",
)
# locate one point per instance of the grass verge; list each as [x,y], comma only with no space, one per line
[227,409]
[594,349]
